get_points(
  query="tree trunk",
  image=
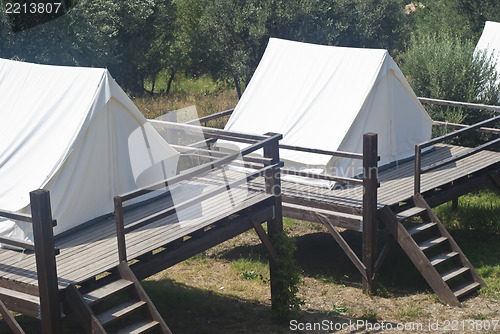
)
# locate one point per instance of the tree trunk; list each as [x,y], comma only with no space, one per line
[238,87]
[170,79]
[153,84]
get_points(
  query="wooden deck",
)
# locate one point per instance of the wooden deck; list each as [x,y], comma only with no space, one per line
[396,183]
[92,250]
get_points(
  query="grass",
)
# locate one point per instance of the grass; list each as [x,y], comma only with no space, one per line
[475,225]
[200,85]
[250,269]
[207,96]
[229,291]
[476,211]
[226,290]
[369,315]
[409,311]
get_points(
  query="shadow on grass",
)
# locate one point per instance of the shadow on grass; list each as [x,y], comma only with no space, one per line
[192,310]
[319,256]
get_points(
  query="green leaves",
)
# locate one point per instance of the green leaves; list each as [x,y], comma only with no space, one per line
[443,66]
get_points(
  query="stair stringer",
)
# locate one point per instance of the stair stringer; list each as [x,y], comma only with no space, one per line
[420,201]
[127,273]
[83,311]
[10,320]
[79,304]
[419,259]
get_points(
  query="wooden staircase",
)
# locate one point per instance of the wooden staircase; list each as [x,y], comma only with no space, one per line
[433,251]
[121,306]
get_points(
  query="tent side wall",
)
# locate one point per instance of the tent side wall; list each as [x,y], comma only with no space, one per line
[391,110]
[113,150]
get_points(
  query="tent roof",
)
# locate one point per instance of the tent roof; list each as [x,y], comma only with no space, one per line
[72,131]
[315,95]
[489,42]
[43,109]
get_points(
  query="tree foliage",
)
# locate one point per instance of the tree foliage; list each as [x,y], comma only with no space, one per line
[136,40]
[233,34]
[128,37]
[444,67]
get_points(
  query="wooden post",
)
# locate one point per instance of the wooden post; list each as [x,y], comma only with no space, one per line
[370,185]
[418,166]
[43,234]
[274,226]
[120,230]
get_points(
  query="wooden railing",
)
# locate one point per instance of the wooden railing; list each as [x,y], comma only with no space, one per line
[448,103]
[270,165]
[347,180]
[369,181]
[45,256]
[211,117]
[419,170]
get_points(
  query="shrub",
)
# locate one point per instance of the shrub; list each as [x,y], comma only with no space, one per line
[285,300]
[443,66]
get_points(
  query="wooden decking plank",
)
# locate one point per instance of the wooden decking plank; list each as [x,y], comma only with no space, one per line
[465,289]
[162,242]
[138,244]
[91,250]
[84,249]
[112,234]
[152,243]
[141,243]
[108,290]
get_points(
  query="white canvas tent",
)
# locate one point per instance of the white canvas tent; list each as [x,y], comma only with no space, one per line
[489,42]
[327,97]
[74,132]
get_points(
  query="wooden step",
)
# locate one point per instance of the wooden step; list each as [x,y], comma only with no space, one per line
[21,302]
[442,258]
[420,228]
[119,311]
[111,289]
[452,273]
[411,212]
[465,289]
[139,327]
[427,244]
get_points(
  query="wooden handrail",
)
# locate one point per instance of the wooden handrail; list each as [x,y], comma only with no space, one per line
[211,132]
[121,230]
[199,169]
[461,126]
[180,206]
[205,119]
[460,156]
[459,104]
[17,243]
[341,154]
[348,180]
[418,149]
[228,134]
[16,216]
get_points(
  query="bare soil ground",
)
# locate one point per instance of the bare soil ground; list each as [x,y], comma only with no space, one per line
[226,290]
[215,297]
